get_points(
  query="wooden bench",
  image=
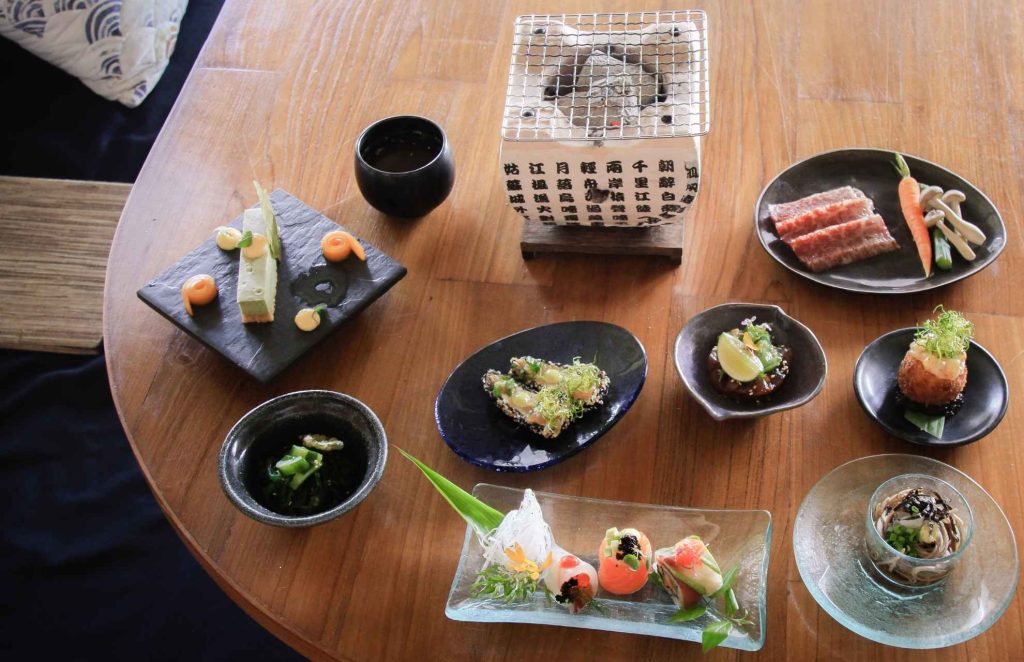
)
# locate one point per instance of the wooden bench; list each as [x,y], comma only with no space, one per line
[55,237]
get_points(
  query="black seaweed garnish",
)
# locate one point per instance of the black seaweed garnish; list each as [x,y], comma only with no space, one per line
[567,593]
[628,545]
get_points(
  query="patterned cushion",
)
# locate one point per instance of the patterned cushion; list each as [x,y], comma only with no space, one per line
[119,48]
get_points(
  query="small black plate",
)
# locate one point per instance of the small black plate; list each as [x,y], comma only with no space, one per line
[871,170]
[693,344]
[304,278]
[985,396]
[479,433]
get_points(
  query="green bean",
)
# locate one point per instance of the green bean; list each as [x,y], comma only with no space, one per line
[943,256]
[290,465]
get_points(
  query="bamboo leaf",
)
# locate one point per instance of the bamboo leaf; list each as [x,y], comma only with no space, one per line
[715,634]
[688,614]
[478,514]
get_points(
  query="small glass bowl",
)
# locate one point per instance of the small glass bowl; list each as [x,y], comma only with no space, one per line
[897,567]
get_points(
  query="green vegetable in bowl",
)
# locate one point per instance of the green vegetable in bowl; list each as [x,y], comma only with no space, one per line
[310,477]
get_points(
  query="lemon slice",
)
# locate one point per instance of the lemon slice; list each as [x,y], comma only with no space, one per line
[738,362]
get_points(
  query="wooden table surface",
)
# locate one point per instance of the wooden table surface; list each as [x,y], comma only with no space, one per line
[281,91]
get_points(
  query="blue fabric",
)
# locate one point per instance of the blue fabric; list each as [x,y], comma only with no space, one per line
[54,126]
[90,567]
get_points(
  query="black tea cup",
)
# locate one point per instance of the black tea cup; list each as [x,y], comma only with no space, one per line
[404,165]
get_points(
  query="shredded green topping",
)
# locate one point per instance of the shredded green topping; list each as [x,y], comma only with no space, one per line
[581,377]
[499,582]
[947,336]
[556,405]
[903,539]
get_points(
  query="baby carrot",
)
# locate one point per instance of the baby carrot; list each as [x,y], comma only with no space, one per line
[910,203]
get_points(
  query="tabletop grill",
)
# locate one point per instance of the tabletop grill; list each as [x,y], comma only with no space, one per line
[603,117]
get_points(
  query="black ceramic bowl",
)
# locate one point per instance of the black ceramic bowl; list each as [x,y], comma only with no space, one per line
[985,396]
[404,165]
[807,371]
[266,429]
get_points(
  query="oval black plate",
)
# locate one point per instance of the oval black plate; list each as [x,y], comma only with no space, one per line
[985,396]
[694,342]
[871,171]
[473,427]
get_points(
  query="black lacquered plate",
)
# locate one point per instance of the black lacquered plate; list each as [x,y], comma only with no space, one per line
[985,396]
[473,427]
[304,278]
[871,171]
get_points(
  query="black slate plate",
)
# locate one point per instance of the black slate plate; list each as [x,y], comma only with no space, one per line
[807,370]
[473,427]
[985,396]
[871,171]
[264,350]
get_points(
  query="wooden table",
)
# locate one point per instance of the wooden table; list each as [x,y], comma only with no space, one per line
[282,89]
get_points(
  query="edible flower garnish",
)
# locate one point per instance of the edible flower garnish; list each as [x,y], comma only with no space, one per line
[517,579]
[522,564]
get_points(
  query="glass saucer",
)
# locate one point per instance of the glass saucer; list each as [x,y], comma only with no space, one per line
[828,543]
[738,538]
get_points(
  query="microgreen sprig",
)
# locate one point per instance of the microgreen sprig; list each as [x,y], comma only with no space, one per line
[947,336]
[501,583]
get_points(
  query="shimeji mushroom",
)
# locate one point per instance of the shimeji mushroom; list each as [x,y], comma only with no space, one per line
[970,232]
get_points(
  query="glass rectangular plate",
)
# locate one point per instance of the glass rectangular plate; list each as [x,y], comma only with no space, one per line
[739,538]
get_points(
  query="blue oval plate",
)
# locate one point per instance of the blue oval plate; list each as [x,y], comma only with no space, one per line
[985,396]
[479,433]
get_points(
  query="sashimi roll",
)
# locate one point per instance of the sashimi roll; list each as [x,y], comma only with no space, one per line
[688,571]
[625,561]
[572,581]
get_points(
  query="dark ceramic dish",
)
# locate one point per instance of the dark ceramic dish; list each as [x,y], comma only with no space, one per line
[985,396]
[304,278]
[264,430]
[807,368]
[871,171]
[404,165]
[473,427]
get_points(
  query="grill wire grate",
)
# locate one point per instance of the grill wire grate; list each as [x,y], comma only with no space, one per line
[608,76]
